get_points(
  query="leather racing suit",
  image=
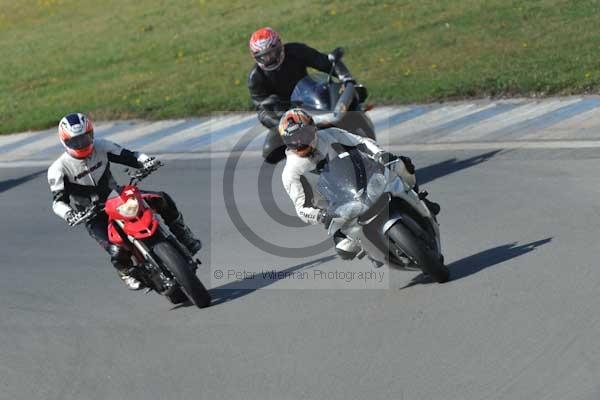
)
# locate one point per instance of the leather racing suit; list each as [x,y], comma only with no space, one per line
[76,183]
[297,184]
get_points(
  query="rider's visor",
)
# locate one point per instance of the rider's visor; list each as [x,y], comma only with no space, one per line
[297,147]
[300,138]
[80,141]
[269,57]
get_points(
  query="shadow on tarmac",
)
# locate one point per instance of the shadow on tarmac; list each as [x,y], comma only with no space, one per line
[450,166]
[11,183]
[488,258]
[237,289]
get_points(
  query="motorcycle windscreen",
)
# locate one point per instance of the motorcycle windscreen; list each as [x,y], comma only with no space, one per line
[311,93]
[351,183]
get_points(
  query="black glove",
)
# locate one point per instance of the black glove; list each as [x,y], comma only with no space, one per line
[151,164]
[408,164]
[325,218]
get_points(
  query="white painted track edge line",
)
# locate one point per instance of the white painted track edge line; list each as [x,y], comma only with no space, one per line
[541,145]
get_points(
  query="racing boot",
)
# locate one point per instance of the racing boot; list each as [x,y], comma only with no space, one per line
[345,247]
[184,234]
[129,281]
[121,260]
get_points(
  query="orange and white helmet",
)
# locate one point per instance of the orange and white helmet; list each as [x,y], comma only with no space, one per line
[76,133]
[298,131]
[267,49]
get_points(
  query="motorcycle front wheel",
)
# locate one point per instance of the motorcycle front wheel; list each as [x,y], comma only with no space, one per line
[177,297]
[183,274]
[419,252]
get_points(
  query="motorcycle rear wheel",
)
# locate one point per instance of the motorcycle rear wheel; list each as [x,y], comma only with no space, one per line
[418,251]
[183,274]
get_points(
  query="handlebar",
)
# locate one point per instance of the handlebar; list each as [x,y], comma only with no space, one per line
[139,175]
[91,211]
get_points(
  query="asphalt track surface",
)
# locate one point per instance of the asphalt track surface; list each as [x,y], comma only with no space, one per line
[519,320]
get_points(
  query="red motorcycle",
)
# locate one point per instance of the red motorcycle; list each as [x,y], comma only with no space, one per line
[161,262]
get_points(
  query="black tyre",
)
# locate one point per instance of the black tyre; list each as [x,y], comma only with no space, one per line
[177,297]
[416,249]
[177,264]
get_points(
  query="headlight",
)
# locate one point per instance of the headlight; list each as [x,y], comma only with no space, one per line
[375,187]
[351,210]
[130,208]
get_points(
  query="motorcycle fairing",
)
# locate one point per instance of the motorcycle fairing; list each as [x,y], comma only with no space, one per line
[117,199]
[140,226]
[313,93]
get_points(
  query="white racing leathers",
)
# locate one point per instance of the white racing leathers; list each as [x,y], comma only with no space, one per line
[76,182]
[295,178]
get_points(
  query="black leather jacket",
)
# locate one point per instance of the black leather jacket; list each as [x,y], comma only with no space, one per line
[271,90]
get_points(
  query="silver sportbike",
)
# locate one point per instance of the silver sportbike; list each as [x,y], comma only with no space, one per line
[389,220]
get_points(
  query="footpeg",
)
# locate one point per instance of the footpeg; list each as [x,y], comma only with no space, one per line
[423,194]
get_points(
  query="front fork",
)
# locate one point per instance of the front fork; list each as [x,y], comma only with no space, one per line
[154,272]
[169,236]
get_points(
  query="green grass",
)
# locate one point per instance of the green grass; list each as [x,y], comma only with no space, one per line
[162,59]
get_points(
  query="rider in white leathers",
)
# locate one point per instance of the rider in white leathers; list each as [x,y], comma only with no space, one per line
[308,150]
[81,175]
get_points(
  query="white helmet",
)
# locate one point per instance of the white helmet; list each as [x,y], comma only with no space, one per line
[76,133]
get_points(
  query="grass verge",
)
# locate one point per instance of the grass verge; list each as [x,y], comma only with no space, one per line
[162,59]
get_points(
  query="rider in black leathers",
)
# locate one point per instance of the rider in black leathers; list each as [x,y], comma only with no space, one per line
[271,81]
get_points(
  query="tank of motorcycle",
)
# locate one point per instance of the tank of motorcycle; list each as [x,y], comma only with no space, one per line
[313,93]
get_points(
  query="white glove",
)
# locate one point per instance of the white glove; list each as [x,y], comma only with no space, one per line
[151,164]
[73,217]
